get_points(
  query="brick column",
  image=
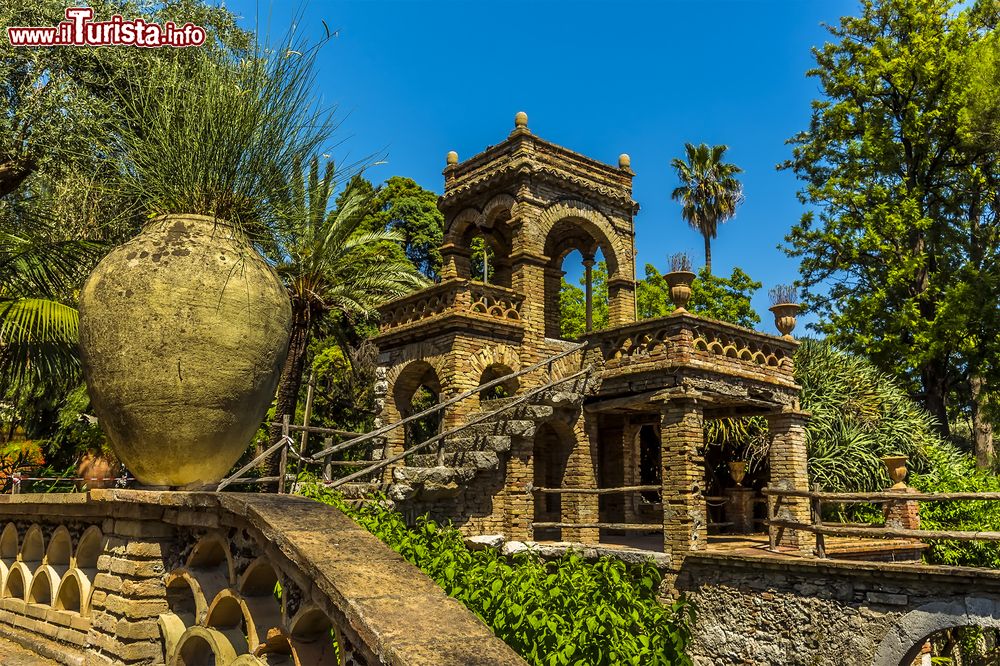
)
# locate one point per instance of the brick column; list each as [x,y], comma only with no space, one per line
[621,302]
[788,461]
[903,513]
[682,439]
[581,472]
[520,504]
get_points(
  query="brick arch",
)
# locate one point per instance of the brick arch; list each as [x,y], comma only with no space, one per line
[499,358]
[407,378]
[904,640]
[595,224]
[495,206]
[459,225]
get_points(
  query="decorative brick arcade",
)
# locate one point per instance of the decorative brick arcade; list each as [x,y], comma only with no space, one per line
[635,419]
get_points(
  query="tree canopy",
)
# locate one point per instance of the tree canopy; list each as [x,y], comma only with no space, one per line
[899,245]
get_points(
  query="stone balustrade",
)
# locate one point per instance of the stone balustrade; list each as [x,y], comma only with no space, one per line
[690,340]
[143,577]
[463,298]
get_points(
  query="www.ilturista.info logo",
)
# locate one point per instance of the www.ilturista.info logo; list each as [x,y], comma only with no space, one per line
[79,30]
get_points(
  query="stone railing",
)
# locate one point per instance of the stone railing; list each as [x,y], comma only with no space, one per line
[494,301]
[144,577]
[685,338]
[453,297]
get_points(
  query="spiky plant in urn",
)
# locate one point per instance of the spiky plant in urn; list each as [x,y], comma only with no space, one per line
[679,279]
[785,307]
[184,328]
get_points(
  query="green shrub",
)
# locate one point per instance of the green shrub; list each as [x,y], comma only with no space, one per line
[565,612]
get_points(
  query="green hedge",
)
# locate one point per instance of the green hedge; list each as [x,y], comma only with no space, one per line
[568,611]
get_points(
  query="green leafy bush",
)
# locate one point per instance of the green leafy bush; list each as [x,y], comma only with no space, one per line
[552,613]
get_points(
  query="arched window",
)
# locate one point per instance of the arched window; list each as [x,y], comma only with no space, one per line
[503,390]
[416,389]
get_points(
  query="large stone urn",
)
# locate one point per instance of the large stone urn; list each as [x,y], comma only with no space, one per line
[183,331]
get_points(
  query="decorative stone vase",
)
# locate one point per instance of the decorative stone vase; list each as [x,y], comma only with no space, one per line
[183,332]
[784,317]
[738,470]
[896,465]
[680,288]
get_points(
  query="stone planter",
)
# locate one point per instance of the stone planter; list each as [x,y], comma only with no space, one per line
[680,288]
[896,466]
[183,332]
[784,317]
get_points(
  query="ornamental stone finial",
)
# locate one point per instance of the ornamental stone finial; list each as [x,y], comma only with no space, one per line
[452,157]
[521,120]
[624,161]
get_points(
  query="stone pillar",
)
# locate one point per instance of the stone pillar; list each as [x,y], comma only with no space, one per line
[588,264]
[788,461]
[553,316]
[454,262]
[739,509]
[682,437]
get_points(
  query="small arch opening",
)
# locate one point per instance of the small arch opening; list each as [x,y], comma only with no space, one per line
[9,544]
[60,548]
[89,549]
[41,588]
[33,548]
[15,584]
[504,389]
[416,389]
[181,600]
[69,598]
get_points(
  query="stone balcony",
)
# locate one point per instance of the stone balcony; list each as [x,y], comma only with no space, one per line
[712,356]
[141,577]
[452,304]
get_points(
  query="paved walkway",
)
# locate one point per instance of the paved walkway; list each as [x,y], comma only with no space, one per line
[12,654]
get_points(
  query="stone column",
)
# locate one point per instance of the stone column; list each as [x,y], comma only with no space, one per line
[588,264]
[788,461]
[682,439]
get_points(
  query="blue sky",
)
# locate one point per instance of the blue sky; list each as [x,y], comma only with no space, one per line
[416,79]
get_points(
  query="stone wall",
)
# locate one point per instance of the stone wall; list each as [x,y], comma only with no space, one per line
[136,577]
[798,611]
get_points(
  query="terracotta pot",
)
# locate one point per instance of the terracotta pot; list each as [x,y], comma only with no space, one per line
[680,288]
[784,317]
[737,470]
[95,471]
[183,331]
[896,465]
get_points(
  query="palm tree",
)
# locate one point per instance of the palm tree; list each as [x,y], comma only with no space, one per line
[38,321]
[331,265]
[709,191]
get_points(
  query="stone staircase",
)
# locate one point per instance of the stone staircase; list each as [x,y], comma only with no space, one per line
[479,449]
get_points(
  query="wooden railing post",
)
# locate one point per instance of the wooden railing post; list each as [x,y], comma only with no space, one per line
[817,521]
[327,467]
[283,467]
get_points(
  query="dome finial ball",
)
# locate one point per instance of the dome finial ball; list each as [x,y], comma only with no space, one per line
[624,161]
[521,119]
[452,157]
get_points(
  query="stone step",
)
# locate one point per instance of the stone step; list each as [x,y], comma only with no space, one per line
[497,443]
[560,399]
[480,460]
[526,411]
[509,427]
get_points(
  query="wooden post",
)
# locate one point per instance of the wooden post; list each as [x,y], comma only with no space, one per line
[817,521]
[283,467]
[308,411]
[327,467]
[773,501]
